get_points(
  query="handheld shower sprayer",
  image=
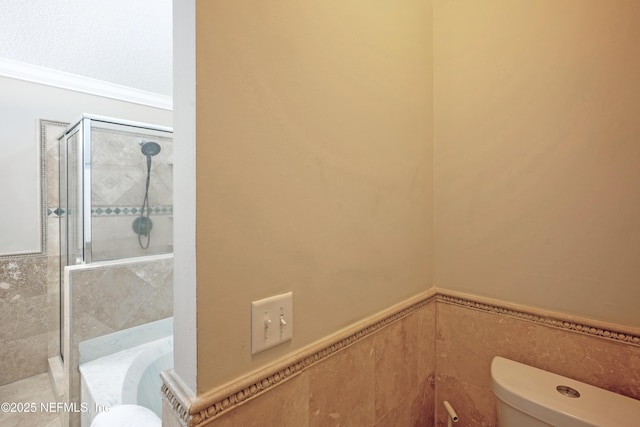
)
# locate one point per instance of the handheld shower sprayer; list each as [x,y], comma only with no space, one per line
[149,148]
[143,224]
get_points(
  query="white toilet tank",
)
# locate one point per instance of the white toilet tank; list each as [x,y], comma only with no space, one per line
[531,397]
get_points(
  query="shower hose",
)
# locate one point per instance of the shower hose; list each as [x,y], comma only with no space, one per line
[144,219]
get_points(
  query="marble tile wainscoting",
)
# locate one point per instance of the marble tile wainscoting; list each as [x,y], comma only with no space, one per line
[23,318]
[470,331]
[383,367]
[397,368]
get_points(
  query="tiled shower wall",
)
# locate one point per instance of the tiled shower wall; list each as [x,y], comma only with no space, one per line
[400,375]
[118,175]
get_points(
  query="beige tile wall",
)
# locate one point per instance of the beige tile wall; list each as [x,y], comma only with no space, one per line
[23,318]
[382,380]
[467,339]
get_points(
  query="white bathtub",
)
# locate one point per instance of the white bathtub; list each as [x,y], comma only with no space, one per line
[128,376]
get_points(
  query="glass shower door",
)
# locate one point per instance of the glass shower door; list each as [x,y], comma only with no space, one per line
[70,209]
[131,197]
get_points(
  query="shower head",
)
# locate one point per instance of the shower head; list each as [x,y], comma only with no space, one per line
[149,148]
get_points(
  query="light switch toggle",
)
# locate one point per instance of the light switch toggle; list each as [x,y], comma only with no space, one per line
[267,322]
[264,315]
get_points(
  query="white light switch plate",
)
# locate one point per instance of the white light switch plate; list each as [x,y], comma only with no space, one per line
[271,322]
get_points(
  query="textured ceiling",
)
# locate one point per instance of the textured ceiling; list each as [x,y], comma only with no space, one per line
[128,42]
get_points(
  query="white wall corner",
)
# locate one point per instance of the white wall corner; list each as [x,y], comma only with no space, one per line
[184,120]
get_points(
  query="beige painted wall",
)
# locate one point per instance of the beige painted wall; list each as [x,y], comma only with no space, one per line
[314,167]
[537,153]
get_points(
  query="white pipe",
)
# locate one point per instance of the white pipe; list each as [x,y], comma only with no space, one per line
[452,416]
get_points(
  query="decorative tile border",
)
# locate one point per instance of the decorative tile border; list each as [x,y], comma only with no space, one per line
[203,409]
[56,212]
[128,210]
[103,211]
[211,405]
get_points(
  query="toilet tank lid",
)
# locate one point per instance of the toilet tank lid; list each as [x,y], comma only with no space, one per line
[533,391]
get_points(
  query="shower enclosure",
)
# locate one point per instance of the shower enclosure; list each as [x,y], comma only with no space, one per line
[116,191]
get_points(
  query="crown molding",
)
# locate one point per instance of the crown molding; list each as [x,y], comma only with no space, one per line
[63,80]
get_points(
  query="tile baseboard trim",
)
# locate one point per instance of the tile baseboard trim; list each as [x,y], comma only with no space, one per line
[203,409]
